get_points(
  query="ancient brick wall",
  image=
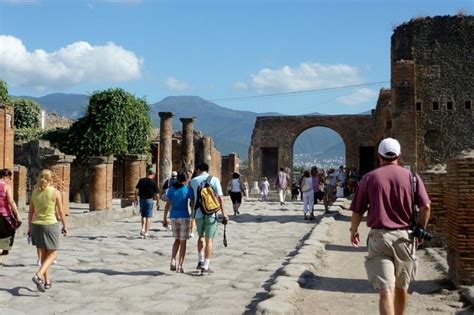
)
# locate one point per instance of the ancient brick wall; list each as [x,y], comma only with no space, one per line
[277,135]
[119,177]
[215,167]
[60,165]
[30,155]
[177,157]
[403,115]
[100,183]
[230,164]
[435,183]
[460,203]
[19,186]
[6,137]
[135,168]
[432,77]
[383,116]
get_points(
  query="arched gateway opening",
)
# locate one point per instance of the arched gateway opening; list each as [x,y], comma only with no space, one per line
[318,146]
[274,136]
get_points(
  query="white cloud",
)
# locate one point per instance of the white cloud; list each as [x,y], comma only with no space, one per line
[174,84]
[306,76]
[358,97]
[241,86]
[77,63]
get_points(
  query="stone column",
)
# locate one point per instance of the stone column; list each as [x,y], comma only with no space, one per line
[101,170]
[6,137]
[19,185]
[460,203]
[60,165]
[166,138]
[135,168]
[187,143]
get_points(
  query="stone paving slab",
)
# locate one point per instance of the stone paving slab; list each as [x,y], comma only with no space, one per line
[107,268]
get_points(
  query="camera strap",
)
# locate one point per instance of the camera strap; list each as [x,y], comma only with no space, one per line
[414,181]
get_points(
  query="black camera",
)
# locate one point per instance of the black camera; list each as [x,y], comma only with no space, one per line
[422,234]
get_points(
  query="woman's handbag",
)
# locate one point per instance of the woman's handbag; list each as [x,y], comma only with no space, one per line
[8,225]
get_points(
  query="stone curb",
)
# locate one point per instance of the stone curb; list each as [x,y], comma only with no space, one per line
[292,276]
[90,218]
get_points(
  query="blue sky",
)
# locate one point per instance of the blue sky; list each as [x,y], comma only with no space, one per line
[213,49]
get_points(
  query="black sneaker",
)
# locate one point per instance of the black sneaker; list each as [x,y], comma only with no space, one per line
[200,265]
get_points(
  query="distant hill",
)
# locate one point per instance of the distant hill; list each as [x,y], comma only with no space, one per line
[231,129]
[67,105]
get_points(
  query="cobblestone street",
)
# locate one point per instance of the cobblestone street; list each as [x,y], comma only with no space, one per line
[109,269]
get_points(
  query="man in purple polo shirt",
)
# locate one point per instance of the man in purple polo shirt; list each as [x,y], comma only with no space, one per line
[387,194]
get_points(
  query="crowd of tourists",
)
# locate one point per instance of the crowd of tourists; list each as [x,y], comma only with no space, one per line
[315,184]
[390,194]
[184,210]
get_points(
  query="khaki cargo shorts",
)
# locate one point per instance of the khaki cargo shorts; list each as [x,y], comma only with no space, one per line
[391,262]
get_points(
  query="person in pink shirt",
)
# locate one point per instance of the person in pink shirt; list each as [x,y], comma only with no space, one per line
[9,216]
[387,193]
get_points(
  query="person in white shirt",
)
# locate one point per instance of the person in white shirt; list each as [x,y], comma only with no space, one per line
[308,194]
[236,189]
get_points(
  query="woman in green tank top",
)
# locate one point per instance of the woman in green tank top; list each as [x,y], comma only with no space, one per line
[45,206]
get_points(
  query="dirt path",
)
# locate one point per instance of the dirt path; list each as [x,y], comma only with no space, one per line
[341,286]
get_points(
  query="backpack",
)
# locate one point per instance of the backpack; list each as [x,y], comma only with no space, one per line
[206,198]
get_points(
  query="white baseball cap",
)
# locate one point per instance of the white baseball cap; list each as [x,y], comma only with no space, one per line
[174,173]
[389,148]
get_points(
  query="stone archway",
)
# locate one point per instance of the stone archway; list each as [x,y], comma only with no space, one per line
[274,136]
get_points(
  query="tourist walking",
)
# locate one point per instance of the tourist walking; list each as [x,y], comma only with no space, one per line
[206,224]
[147,190]
[308,195]
[265,188]
[389,196]
[168,183]
[282,181]
[317,183]
[236,190]
[10,218]
[353,179]
[179,196]
[45,207]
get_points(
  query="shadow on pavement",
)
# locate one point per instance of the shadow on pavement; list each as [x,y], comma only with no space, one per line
[345,285]
[246,217]
[345,248]
[110,272]
[16,291]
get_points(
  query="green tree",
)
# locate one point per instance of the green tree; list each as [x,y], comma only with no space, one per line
[116,122]
[3,92]
[27,113]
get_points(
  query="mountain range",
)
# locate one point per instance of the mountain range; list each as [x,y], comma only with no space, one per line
[230,129]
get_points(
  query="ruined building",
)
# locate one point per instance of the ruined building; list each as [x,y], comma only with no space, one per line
[428,108]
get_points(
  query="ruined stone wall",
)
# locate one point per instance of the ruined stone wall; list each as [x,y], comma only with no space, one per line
[230,165]
[176,154]
[53,121]
[20,175]
[277,135]
[435,183]
[215,167]
[383,116]
[433,88]
[460,203]
[30,155]
[6,137]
